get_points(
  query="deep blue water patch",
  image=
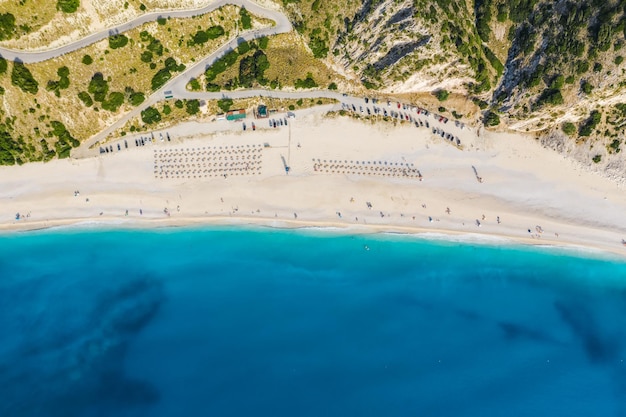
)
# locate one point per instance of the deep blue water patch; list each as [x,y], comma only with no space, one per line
[232,322]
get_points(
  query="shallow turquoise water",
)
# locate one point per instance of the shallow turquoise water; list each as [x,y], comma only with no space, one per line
[281,323]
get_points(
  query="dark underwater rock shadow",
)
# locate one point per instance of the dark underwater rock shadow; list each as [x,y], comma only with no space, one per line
[599,347]
[82,373]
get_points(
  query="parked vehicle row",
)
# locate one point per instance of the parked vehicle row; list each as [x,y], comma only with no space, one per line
[405,114]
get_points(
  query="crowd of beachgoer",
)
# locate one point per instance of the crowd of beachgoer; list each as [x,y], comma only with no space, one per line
[207,162]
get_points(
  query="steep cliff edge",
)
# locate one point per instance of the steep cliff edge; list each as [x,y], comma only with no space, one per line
[552,68]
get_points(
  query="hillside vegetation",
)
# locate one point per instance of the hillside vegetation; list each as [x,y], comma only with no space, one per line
[555,68]
[49,107]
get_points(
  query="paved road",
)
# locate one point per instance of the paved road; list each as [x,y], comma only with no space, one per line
[282,25]
[178,85]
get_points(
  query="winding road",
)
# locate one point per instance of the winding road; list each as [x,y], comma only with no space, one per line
[282,25]
[177,85]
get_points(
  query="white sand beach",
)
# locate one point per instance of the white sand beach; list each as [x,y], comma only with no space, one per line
[538,196]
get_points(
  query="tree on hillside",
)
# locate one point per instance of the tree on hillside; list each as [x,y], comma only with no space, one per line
[225,104]
[7,26]
[68,6]
[246,20]
[22,78]
[99,87]
[442,95]
[492,119]
[252,68]
[150,115]
[193,106]
[117,41]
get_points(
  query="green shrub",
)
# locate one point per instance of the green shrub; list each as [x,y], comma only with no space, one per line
[117,41]
[221,65]
[551,96]
[503,13]
[7,26]
[98,87]
[9,148]
[21,77]
[114,102]
[68,6]
[200,37]
[596,159]
[263,42]
[192,106]
[146,56]
[252,68]
[3,65]
[494,61]
[243,47]
[171,65]
[619,59]
[65,141]
[246,20]
[215,32]
[195,84]
[178,104]
[166,109]
[292,107]
[442,95]
[308,82]
[212,87]
[155,46]
[225,104]
[492,119]
[136,99]
[332,86]
[557,82]
[482,104]
[318,47]
[85,98]
[160,78]
[161,20]
[482,9]
[590,124]
[568,128]
[586,87]
[63,72]
[150,115]
[53,86]
[582,67]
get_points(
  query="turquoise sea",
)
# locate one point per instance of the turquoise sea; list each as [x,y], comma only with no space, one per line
[261,322]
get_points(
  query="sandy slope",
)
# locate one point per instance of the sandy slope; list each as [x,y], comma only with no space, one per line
[523,184]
